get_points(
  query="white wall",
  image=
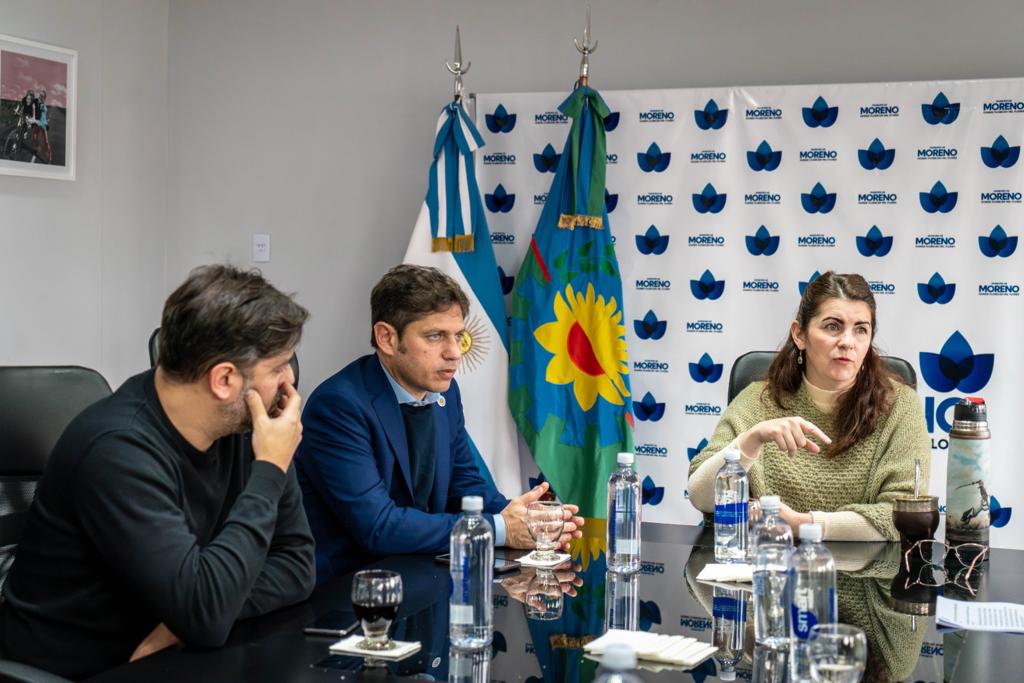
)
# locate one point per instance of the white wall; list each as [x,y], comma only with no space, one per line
[313,119]
[82,263]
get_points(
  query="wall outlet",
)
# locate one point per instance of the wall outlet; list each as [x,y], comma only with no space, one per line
[260,247]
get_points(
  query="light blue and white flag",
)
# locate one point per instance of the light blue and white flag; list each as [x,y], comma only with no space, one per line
[451,235]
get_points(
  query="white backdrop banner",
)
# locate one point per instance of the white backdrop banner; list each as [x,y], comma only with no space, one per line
[724,202]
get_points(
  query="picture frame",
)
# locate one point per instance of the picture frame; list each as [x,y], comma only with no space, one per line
[38,109]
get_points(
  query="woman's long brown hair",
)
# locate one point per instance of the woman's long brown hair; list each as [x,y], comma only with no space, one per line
[859,408]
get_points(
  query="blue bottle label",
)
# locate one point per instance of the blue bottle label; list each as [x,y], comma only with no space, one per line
[724,607]
[803,621]
[731,513]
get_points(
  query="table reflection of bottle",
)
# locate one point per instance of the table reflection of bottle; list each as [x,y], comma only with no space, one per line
[771,665]
[621,601]
[729,617]
[469,666]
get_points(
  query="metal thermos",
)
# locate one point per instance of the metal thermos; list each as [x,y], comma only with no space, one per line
[967,473]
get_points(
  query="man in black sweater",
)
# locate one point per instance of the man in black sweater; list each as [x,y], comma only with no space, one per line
[160,518]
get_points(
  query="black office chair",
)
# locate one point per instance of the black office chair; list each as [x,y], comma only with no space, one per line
[39,402]
[16,672]
[154,353]
[753,366]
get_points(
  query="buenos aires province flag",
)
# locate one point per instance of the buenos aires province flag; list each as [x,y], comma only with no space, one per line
[451,235]
[569,373]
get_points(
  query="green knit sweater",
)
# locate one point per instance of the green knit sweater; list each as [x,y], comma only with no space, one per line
[864,479]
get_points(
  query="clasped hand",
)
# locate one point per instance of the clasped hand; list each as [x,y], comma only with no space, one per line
[514,514]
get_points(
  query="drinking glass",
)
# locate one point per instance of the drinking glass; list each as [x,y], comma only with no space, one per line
[376,595]
[838,653]
[544,521]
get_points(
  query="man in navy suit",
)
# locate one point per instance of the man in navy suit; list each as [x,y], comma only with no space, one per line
[384,460]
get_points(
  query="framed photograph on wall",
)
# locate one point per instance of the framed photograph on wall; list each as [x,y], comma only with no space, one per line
[37,109]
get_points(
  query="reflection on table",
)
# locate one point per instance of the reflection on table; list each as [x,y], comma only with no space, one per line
[543,618]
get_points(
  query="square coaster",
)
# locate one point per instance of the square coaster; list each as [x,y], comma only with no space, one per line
[402,649]
[531,561]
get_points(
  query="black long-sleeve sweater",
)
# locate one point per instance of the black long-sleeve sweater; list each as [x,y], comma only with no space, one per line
[132,527]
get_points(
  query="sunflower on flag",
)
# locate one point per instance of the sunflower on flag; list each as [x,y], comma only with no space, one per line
[569,372]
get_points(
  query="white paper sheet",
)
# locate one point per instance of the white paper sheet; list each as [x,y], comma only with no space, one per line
[1007,617]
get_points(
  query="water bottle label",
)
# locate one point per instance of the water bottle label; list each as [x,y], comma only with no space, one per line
[624,547]
[461,614]
[803,621]
[731,513]
[724,607]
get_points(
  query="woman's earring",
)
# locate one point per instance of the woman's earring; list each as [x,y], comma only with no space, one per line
[799,356]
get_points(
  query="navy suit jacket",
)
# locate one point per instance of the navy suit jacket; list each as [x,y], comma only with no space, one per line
[353,467]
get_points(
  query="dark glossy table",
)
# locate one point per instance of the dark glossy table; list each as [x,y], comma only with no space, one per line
[665,597]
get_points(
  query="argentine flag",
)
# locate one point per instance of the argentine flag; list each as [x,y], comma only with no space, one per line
[451,235]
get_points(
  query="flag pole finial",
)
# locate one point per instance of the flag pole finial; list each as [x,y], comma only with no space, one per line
[456,67]
[586,49]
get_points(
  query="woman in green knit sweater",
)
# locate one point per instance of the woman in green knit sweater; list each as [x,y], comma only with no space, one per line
[830,430]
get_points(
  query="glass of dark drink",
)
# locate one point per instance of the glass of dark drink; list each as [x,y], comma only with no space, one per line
[915,517]
[376,595]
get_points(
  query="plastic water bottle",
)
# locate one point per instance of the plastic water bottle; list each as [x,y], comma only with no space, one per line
[469,666]
[814,596]
[622,601]
[773,547]
[731,510]
[470,611]
[624,503]
[729,615]
[617,665]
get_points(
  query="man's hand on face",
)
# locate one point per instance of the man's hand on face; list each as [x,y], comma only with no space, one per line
[514,514]
[275,439]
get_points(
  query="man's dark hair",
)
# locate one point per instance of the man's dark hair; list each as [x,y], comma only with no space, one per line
[221,313]
[407,293]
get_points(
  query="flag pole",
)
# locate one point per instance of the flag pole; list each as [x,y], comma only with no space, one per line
[586,49]
[456,68]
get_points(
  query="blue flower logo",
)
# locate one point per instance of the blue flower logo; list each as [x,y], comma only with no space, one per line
[803,285]
[818,200]
[506,281]
[998,515]
[938,199]
[692,453]
[650,614]
[500,121]
[936,291]
[876,156]
[820,114]
[762,242]
[706,370]
[941,110]
[547,160]
[610,201]
[499,201]
[874,243]
[648,409]
[611,122]
[711,117]
[653,159]
[764,158]
[652,242]
[708,201]
[650,493]
[997,243]
[956,367]
[650,327]
[707,287]
[1000,154]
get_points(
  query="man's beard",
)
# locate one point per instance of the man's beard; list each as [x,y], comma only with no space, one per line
[238,419]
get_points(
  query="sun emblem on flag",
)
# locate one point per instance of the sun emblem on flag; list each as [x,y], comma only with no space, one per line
[588,340]
[473,344]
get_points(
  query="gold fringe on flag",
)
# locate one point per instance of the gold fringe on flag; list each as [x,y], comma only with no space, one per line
[570,221]
[562,641]
[460,244]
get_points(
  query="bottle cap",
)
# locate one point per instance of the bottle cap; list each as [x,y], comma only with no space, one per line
[472,504]
[731,454]
[625,458]
[971,409]
[618,657]
[810,532]
[727,675]
[770,502]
